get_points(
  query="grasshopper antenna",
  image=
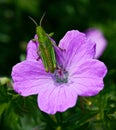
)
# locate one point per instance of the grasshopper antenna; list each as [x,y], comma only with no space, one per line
[42,18]
[33,21]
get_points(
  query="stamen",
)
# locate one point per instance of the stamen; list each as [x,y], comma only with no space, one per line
[61,75]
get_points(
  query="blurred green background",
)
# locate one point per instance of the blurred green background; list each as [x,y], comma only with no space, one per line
[16,29]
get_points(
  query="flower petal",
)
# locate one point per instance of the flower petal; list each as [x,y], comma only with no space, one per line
[57,98]
[78,48]
[97,36]
[60,56]
[29,77]
[88,77]
[32,49]
[68,37]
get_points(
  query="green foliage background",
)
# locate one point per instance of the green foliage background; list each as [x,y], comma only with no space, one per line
[16,29]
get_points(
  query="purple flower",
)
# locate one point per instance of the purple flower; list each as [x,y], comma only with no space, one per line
[77,74]
[97,36]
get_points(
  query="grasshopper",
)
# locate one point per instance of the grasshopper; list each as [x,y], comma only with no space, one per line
[46,48]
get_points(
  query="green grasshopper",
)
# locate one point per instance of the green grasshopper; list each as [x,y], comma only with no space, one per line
[46,48]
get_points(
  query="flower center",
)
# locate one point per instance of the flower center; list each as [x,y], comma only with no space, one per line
[61,75]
